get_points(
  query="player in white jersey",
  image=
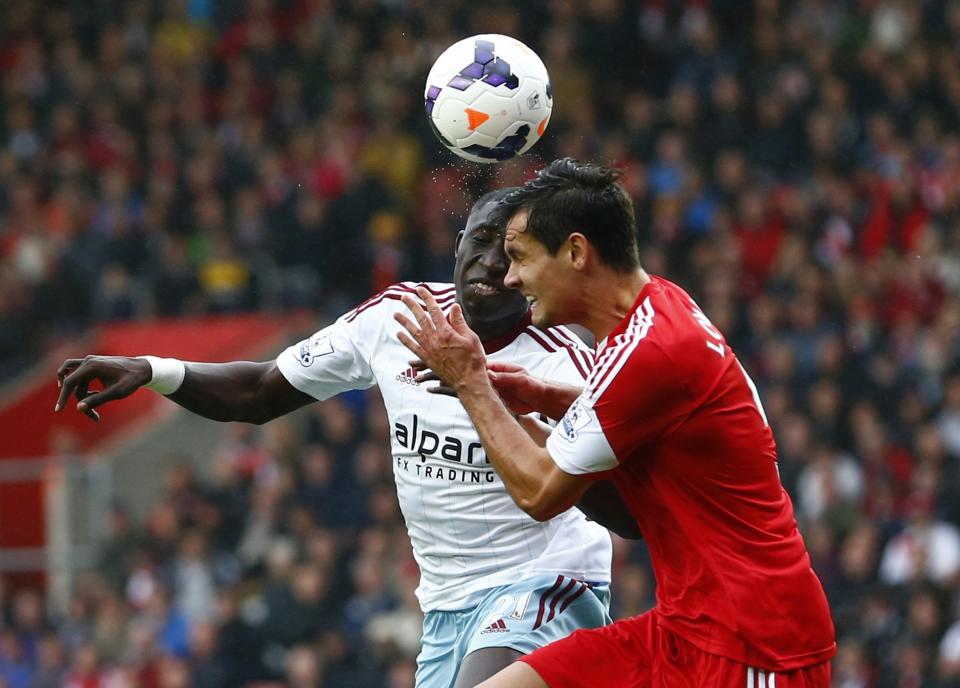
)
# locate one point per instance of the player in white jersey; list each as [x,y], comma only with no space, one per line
[495,583]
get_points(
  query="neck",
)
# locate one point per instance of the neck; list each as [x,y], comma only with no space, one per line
[611,298]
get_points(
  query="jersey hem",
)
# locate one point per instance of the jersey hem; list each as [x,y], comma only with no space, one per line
[747,656]
[474,596]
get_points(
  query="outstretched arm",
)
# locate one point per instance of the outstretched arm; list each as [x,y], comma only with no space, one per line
[236,391]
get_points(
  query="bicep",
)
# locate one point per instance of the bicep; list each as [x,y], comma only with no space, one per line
[237,391]
[276,396]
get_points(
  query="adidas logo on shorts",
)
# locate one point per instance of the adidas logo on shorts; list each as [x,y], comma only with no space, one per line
[496,627]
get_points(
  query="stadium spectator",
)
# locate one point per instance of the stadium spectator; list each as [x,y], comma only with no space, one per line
[183,158]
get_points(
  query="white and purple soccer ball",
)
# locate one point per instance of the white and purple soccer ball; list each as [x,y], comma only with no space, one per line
[488,98]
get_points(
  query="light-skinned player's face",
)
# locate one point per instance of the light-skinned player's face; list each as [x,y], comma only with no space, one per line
[481,266]
[539,276]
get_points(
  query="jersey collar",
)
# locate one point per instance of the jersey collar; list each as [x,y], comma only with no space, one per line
[493,345]
[649,288]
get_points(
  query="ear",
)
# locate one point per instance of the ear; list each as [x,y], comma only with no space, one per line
[456,244]
[578,248]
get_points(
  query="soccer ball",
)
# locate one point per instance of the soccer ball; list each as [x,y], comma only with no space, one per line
[488,98]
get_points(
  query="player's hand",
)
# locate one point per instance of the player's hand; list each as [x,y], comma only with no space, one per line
[521,392]
[119,377]
[428,375]
[449,348]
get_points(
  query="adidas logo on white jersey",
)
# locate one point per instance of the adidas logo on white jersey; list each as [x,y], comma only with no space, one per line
[408,377]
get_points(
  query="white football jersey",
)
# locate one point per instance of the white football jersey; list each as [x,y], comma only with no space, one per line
[467,533]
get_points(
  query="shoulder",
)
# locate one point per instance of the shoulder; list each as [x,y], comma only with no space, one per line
[632,352]
[667,344]
[668,322]
[389,298]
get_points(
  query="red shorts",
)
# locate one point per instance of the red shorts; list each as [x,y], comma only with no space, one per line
[638,653]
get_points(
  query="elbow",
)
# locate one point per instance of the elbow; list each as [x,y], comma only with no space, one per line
[249,411]
[538,514]
[258,416]
[627,533]
[540,509]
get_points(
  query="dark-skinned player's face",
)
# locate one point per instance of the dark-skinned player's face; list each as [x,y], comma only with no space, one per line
[481,265]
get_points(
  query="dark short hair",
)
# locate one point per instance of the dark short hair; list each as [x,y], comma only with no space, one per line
[495,196]
[569,196]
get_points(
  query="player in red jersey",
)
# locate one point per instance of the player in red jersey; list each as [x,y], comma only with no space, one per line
[669,415]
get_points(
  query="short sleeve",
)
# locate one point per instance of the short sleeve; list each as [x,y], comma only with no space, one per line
[333,360]
[578,444]
[633,398]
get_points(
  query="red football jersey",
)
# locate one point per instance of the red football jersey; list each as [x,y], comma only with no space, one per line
[673,419]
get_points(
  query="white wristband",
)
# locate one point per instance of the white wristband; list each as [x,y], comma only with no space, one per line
[168,374]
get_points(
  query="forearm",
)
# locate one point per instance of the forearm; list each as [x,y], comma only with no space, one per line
[522,463]
[601,502]
[558,399]
[536,430]
[234,391]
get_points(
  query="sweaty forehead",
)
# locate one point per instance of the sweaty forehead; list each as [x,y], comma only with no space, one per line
[480,216]
[517,225]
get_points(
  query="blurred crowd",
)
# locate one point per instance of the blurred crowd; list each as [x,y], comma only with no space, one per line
[794,164]
[289,565]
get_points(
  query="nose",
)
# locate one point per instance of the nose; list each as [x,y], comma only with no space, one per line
[512,279]
[495,259]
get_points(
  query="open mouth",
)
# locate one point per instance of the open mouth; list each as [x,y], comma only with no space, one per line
[485,288]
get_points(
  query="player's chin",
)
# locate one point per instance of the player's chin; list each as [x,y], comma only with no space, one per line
[483,304]
[498,303]
[539,315]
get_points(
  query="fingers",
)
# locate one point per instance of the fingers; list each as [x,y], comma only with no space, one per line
[430,376]
[412,334]
[457,320]
[436,315]
[69,383]
[418,313]
[81,393]
[410,343]
[504,367]
[111,393]
[76,383]
[508,379]
[66,368]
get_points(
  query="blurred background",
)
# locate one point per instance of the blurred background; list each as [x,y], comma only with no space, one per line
[213,178]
